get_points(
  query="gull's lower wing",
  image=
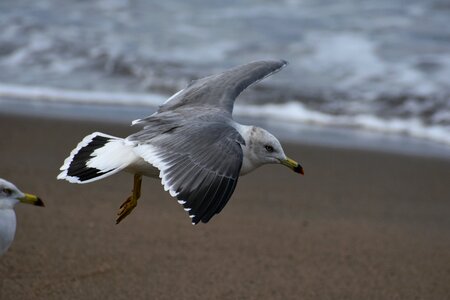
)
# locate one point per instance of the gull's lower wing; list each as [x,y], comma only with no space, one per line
[199,164]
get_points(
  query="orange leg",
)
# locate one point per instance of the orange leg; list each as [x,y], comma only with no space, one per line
[131,202]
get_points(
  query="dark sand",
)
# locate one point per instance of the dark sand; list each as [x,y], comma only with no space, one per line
[359,225]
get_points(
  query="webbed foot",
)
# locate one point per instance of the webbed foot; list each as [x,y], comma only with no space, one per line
[127,207]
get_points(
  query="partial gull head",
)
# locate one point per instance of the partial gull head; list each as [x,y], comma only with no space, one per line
[261,148]
[10,195]
[191,143]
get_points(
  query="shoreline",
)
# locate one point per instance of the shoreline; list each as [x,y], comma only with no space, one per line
[315,135]
[359,225]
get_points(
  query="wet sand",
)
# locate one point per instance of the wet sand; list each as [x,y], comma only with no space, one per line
[359,225]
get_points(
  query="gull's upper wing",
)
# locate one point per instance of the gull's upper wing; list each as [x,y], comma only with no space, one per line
[221,90]
[199,162]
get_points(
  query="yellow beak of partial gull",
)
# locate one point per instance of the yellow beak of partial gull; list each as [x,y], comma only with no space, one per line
[31,199]
[292,164]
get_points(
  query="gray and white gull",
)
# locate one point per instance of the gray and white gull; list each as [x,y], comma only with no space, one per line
[192,143]
[10,195]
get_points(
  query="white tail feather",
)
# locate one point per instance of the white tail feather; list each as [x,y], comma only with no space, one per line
[97,156]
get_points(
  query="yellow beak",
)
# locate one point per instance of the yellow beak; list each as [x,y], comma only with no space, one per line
[31,199]
[292,164]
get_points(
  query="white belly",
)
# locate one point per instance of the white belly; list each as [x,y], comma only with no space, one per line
[140,166]
[7,228]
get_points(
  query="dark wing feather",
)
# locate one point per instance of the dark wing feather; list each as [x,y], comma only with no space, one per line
[199,164]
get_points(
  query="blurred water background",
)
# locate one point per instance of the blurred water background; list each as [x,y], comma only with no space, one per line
[371,65]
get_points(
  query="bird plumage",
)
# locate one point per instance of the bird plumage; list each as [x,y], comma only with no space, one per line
[10,195]
[191,143]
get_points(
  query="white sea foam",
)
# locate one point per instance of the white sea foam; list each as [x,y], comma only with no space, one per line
[351,63]
[295,112]
[377,58]
[71,96]
[291,112]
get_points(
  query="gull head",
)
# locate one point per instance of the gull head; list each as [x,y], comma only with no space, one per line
[10,195]
[263,148]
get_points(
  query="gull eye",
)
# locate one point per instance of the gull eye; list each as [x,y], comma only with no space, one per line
[6,191]
[268,148]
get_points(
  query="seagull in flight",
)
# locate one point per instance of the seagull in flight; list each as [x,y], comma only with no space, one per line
[191,143]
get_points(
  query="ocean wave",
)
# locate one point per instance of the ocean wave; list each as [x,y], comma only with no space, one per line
[289,112]
[295,112]
[376,65]
[377,58]
[46,94]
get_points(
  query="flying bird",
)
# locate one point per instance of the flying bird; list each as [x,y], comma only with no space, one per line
[191,143]
[10,195]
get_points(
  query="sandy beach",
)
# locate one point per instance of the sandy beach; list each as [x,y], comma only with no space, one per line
[358,225]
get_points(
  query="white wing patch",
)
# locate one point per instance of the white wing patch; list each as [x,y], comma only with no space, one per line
[150,154]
